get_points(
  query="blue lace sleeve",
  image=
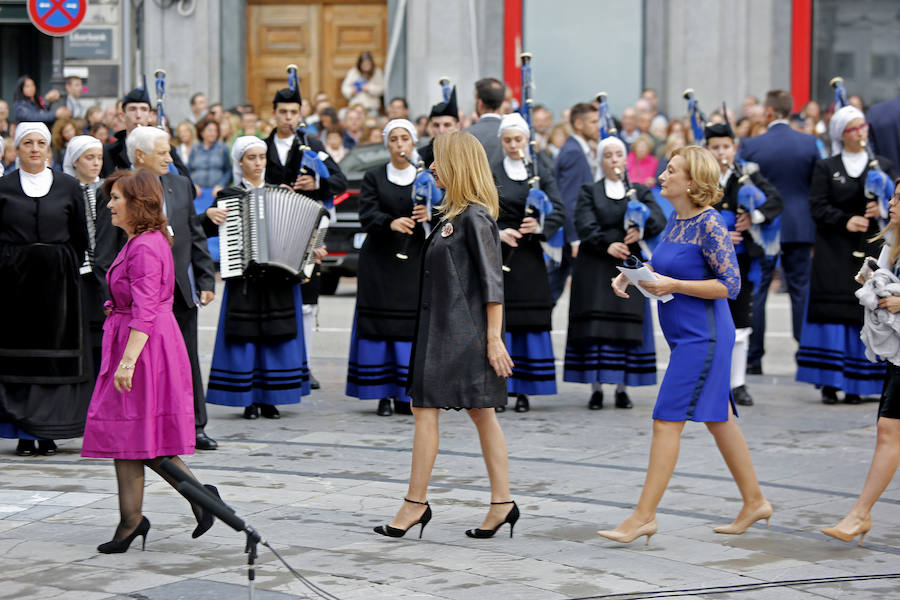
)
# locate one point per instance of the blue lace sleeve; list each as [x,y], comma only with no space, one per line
[715,243]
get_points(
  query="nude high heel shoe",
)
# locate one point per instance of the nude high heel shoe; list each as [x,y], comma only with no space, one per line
[649,529]
[861,529]
[741,525]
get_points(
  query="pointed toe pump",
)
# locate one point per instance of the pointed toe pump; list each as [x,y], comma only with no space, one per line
[120,546]
[396,532]
[647,529]
[511,517]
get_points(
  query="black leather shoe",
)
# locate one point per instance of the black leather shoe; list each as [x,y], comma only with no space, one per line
[313,382]
[384,408]
[500,409]
[754,370]
[251,412]
[742,396]
[47,447]
[522,403]
[204,442]
[402,408]
[26,448]
[596,402]
[852,399]
[269,411]
[623,401]
[829,395]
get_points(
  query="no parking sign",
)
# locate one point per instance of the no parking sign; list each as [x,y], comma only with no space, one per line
[56,17]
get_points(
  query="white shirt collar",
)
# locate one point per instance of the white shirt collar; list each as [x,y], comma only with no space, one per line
[489,116]
[723,178]
[585,147]
[615,190]
[778,122]
[854,162]
[283,146]
[245,183]
[515,169]
[36,185]
[404,176]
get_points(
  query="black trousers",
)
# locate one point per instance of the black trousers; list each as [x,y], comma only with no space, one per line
[187,323]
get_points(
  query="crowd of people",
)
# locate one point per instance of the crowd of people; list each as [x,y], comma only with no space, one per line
[121,212]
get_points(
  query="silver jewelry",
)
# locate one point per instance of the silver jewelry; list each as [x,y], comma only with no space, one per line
[124,366]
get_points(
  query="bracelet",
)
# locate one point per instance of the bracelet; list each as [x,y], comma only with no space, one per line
[124,366]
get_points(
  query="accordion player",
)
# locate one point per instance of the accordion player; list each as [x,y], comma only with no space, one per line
[271,227]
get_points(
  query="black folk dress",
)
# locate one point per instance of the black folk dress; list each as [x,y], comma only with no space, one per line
[46,372]
[526,288]
[610,339]
[387,289]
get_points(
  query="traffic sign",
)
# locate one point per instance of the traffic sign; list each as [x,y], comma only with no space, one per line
[57,17]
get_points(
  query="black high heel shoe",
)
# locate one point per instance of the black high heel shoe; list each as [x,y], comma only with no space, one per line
[511,517]
[396,532]
[118,547]
[206,519]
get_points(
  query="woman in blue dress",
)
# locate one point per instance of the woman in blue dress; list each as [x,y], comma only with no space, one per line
[259,359]
[526,290]
[387,286]
[696,262]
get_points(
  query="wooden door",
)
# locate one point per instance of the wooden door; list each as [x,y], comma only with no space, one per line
[348,30]
[324,39]
[278,35]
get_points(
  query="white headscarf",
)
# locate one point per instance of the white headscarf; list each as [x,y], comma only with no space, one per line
[610,141]
[513,121]
[23,129]
[394,124]
[240,147]
[839,122]
[77,146]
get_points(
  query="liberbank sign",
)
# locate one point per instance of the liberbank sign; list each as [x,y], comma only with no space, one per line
[90,43]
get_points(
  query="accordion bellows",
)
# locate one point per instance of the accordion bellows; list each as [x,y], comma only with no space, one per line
[271,226]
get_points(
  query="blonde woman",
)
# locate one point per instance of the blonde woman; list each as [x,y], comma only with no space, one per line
[459,359]
[696,262]
[185,137]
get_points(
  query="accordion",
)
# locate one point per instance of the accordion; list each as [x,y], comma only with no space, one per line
[271,227]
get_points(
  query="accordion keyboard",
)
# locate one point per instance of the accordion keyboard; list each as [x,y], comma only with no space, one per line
[232,247]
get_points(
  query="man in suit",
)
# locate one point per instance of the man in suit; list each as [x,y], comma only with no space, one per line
[135,112]
[489,94]
[785,158]
[884,129]
[576,164]
[283,159]
[148,148]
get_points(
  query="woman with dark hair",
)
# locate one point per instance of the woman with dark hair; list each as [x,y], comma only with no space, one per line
[209,162]
[29,106]
[60,135]
[45,364]
[364,84]
[142,410]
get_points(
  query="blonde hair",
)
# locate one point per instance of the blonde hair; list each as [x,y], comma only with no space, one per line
[463,168]
[703,171]
[892,231]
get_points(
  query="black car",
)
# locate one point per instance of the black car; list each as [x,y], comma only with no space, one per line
[345,234]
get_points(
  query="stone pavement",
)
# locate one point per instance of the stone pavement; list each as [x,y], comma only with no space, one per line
[315,482]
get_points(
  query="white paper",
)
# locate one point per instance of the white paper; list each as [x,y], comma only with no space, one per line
[643,274]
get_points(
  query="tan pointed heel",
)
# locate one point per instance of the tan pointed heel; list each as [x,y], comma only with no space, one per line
[862,528]
[648,529]
[740,526]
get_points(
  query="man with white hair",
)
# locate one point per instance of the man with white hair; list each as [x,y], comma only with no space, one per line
[149,148]
[135,112]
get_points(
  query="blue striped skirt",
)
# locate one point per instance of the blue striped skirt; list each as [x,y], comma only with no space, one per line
[377,368]
[632,365]
[832,354]
[534,369]
[246,373]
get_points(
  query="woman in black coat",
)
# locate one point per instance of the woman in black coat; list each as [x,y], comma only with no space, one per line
[387,285]
[46,368]
[610,340]
[459,359]
[831,353]
[526,289]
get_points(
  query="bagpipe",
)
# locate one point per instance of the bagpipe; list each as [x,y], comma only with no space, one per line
[161,120]
[446,88]
[695,116]
[311,163]
[424,193]
[878,186]
[537,204]
[636,212]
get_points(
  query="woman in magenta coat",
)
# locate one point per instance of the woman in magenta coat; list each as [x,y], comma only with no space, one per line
[142,409]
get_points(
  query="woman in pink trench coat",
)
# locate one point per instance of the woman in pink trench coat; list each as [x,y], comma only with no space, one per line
[142,409]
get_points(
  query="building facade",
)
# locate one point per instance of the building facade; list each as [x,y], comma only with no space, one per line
[236,51]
